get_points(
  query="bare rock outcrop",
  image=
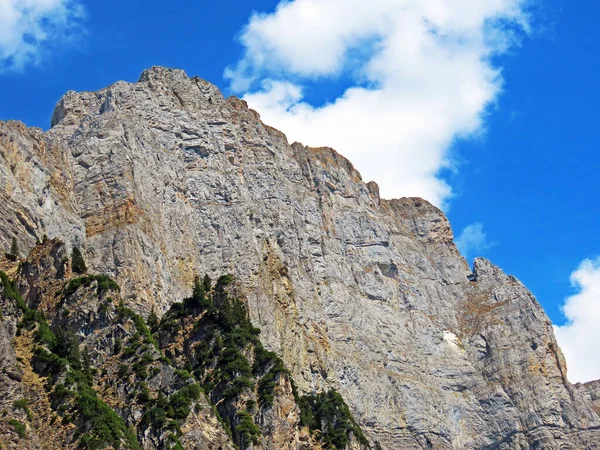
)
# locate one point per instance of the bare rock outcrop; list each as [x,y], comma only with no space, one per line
[163,179]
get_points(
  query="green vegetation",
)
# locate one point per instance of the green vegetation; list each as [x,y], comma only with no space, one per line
[183,374]
[165,412]
[77,262]
[23,405]
[272,366]
[140,324]
[105,426]
[19,427]
[206,283]
[104,283]
[11,292]
[13,255]
[250,405]
[57,354]
[31,317]
[217,351]
[153,321]
[122,371]
[198,298]
[329,416]
[266,386]
[247,429]
[180,401]
[118,346]
[20,404]
[225,336]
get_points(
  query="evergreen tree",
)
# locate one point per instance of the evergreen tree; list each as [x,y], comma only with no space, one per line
[14,250]
[206,283]
[198,292]
[197,297]
[153,321]
[77,262]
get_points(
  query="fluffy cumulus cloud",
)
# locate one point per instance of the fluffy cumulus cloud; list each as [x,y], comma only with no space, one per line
[28,28]
[579,338]
[417,75]
[473,240]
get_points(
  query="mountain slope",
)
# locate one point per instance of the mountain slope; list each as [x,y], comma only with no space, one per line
[164,179]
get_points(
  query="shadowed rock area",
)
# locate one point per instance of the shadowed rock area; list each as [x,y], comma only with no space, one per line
[164,179]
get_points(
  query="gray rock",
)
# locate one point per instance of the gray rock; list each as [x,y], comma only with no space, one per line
[163,179]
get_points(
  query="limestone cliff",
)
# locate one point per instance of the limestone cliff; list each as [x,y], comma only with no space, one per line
[160,180]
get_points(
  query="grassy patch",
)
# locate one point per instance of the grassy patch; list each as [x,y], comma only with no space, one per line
[19,427]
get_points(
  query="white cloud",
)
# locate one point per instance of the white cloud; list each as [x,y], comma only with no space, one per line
[579,339]
[30,27]
[472,241]
[421,76]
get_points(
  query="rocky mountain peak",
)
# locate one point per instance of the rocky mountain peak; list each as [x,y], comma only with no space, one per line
[160,181]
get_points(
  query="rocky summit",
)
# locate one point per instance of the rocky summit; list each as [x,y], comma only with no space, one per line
[176,275]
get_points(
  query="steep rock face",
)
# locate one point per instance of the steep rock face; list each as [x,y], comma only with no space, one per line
[163,179]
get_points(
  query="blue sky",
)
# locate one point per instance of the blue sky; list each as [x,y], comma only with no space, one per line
[520,173]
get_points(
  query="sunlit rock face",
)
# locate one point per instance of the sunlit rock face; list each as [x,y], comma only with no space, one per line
[163,179]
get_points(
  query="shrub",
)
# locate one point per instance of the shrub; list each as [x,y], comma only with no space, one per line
[233,364]
[140,370]
[77,262]
[23,405]
[183,374]
[224,280]
[171,327]
[105,426]
[140,324]
[20,404]
[13,255]
[329,414]
[144,394]
[154,417]
[266,386]
[76,283]
[206,283]
[236,387]
[11,292]
[130,350]
[247,429]
[123,371]
[153,321]
[147,358]
[54,364]
[104,283]
[262,358]
[198,296]
[19,427]
[181,400]
[67,346]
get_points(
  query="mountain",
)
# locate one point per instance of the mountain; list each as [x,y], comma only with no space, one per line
[341,319]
